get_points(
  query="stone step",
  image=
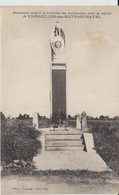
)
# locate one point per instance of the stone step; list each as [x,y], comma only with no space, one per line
[62,136]
[63,142]
[64,148]
[59,129]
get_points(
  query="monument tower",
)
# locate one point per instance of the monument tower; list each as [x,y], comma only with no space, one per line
[58,73]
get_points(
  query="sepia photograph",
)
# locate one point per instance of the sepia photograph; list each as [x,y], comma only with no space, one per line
[60,100]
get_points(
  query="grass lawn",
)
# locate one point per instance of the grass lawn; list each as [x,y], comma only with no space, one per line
[106,139]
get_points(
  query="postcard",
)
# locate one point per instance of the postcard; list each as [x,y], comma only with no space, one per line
[60,99]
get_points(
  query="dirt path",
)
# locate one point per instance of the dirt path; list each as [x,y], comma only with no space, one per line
[58,185]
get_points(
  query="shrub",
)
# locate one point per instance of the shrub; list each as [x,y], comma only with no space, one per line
[106,138]
[19,141]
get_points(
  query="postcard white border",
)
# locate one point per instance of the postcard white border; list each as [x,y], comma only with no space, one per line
[59,2]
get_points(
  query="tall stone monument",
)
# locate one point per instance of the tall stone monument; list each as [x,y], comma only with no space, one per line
[58,73]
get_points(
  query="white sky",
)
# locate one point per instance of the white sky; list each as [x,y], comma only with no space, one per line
[92,48]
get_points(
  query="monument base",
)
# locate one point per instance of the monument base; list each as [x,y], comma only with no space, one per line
[64,150]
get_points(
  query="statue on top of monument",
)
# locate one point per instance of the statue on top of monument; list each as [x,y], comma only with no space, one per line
[57,42]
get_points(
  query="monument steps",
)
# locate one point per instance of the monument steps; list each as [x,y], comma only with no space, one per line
[63,142]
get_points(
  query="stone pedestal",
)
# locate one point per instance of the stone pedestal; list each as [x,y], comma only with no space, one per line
[35,120]
[78,122]
[84,121]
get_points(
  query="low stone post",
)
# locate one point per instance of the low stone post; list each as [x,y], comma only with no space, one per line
[78,122]
[42,139]
[35,120]
[84,121]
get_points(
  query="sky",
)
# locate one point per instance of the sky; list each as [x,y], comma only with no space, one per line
[92,58]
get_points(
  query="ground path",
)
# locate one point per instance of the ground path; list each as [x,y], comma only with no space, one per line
[71,160]
[59,185]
